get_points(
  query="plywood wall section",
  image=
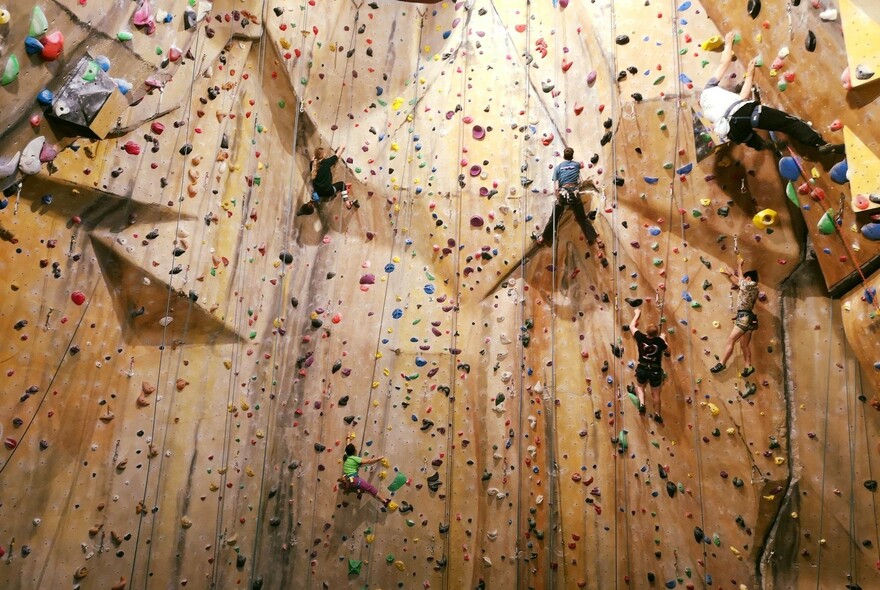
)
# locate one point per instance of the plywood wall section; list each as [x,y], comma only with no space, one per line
[185,357]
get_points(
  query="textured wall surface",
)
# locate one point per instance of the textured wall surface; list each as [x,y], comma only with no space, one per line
[184,357]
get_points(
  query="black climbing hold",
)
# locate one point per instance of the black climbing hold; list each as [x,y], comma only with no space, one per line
[619,181]
[633,302]
[426,424]
[737,482]
[605,138]
[671,489]
[617,351]
[294,302]
[274,521]
[258,584]
[810,41]
[224,142]
[622,39]
[660,469]
[193,296]
[871,485]
[754,8]
[443,528]
[651,577]
[699,535]
[317,322]
[343,401]
[186,149]
[336,366]
[189,18]
[240,560]
[319,447]
[348,419]
[278,10]
[637,96]
[594,159]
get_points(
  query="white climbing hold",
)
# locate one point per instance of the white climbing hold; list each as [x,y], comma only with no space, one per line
[165,321]
[30,156]
[828,15]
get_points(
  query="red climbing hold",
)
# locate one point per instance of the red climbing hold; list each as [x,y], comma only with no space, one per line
[78,297]
[53,45]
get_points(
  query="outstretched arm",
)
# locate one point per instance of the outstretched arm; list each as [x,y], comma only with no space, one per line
[726,57]
[746,91]
[634,324]
[373,460]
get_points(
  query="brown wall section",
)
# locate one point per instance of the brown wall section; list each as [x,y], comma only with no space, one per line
[185,357]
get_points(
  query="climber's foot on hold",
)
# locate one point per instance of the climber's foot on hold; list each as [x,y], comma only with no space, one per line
[832,148]
[643,410]
[751,388]
[658,418]
[718,368]
[747,371]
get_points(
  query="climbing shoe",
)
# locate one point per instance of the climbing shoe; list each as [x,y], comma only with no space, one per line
[658,418]
[718,368]
[747,371]
[306,209]
[751,388]
[832,148]
[643,409]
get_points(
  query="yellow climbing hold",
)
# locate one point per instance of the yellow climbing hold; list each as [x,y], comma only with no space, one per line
[735,551]
[395,147]
[398,564]
[713,409]
[375,385]
[383,474]
[370,538]
[705,202]
[711,43]
[779,460]
[764,219]
[731,430]
[398,102]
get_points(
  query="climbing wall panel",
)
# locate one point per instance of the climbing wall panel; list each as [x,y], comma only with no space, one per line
[861,23]
[186,357]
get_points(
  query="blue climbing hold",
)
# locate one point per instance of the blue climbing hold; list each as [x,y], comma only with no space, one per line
[420,362]
[789,169]
[389,267]
[684,6]
[671,584]
[47,199]
[32,45]
[45,97]
[123,85]
[397,313]
[687,296]
[651,179]
[686,169]
[871,231]
[654,231]
[838,172]
[379,90]
[103,62]
[684,79]
[429,289]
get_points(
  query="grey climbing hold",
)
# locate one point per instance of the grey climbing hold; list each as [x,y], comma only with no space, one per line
[30,157]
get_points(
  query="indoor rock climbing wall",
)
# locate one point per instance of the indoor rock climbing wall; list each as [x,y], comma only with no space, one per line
[186,358]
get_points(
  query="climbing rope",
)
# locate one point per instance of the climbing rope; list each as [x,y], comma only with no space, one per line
[163,349]
[825,445]
[679,196]
[519,315]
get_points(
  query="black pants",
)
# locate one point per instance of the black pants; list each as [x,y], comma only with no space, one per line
[580,215]
[745,120]
[328,193]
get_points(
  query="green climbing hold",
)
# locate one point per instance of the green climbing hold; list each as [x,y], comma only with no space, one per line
[39,24]
[354,566]
[389,558]
[124,36]
[791,193]
[10,73]
[826,223]
[716,540]
[659,80]
[397,482]
[622,442]
[91,73]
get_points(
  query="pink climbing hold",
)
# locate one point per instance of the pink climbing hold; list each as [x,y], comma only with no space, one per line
[157,127]
[53,45]
[78,297]
[132,148]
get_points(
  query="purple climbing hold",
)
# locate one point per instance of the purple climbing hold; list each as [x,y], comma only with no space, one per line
[478,132]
